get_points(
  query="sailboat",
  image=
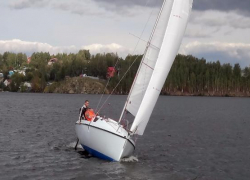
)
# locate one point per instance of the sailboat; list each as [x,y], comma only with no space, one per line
[106,138]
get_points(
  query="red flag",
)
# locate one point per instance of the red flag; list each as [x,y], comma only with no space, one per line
[111,72]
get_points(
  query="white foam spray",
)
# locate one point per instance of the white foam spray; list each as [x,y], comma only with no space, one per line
[130,159]
[73,144]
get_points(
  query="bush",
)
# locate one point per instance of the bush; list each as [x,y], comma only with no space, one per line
[36,84]
[1,85]
[16,80]
[51,88]
[23,88]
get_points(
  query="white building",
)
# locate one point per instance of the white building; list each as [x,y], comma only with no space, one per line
[7,82]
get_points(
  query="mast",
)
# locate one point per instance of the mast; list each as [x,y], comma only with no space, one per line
[148,44]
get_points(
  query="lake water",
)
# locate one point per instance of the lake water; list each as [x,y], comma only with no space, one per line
[187,138]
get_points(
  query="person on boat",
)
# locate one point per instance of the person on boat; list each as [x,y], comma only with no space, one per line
[86,112]
[83,109]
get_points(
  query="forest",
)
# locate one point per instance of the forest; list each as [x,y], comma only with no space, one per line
[188,76]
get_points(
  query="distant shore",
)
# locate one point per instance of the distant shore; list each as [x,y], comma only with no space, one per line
[80,85]
[170,94]
[206,94]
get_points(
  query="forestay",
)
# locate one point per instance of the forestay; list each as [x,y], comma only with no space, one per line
[157,63]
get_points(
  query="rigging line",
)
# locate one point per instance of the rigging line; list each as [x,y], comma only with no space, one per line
[146,4]
[153,46]
[106,86]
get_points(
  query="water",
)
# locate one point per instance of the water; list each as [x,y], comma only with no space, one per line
[194,138]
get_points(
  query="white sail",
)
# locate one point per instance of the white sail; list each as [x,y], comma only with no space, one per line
[148,62]
[174,31]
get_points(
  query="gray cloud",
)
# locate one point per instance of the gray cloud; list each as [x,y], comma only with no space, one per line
[128,7]
[225,52]
[223,5]
[241,6]
[129,3]
[22,4]
[79,8]
[219,19]
[200,31]
[190,33]
[116,5]
[73,6]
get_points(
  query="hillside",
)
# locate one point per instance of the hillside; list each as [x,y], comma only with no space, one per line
[77,85]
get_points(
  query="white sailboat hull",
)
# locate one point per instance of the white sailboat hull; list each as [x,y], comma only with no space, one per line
[105,139]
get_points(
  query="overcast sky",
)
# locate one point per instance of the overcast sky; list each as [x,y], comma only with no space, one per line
[218,29]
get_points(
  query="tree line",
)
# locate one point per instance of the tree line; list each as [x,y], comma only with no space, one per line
[188,74]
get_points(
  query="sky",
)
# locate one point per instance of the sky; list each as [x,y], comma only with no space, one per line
[217,30]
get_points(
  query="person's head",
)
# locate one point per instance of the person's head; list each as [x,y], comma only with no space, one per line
[86,103]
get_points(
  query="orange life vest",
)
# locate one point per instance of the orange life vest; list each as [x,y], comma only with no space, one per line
[90,114]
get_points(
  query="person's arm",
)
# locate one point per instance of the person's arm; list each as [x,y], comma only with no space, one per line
[80,113]
[83,113]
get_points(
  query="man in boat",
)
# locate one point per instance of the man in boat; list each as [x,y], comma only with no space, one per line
[83,109]
[86,112]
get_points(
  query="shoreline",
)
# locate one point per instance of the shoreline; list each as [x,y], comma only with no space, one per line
[86,85]
[163,94]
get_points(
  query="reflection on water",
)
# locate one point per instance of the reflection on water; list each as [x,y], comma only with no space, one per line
[186,138]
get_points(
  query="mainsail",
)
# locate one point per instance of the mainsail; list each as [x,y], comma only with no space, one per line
[149,59]
[157,61]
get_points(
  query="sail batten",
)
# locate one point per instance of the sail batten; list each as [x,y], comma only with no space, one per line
[169,33]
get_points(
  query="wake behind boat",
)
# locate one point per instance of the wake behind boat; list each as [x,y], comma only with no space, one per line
[108,139]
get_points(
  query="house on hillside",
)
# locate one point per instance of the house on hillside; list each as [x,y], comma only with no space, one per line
[83,75]
[92,77]
[7,82]
[27,85]
[21,72]
[11,73]
[52,61]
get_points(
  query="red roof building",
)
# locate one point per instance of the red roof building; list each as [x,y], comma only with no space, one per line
[28,60]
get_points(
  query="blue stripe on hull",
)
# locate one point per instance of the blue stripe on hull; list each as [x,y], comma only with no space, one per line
[96,153]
